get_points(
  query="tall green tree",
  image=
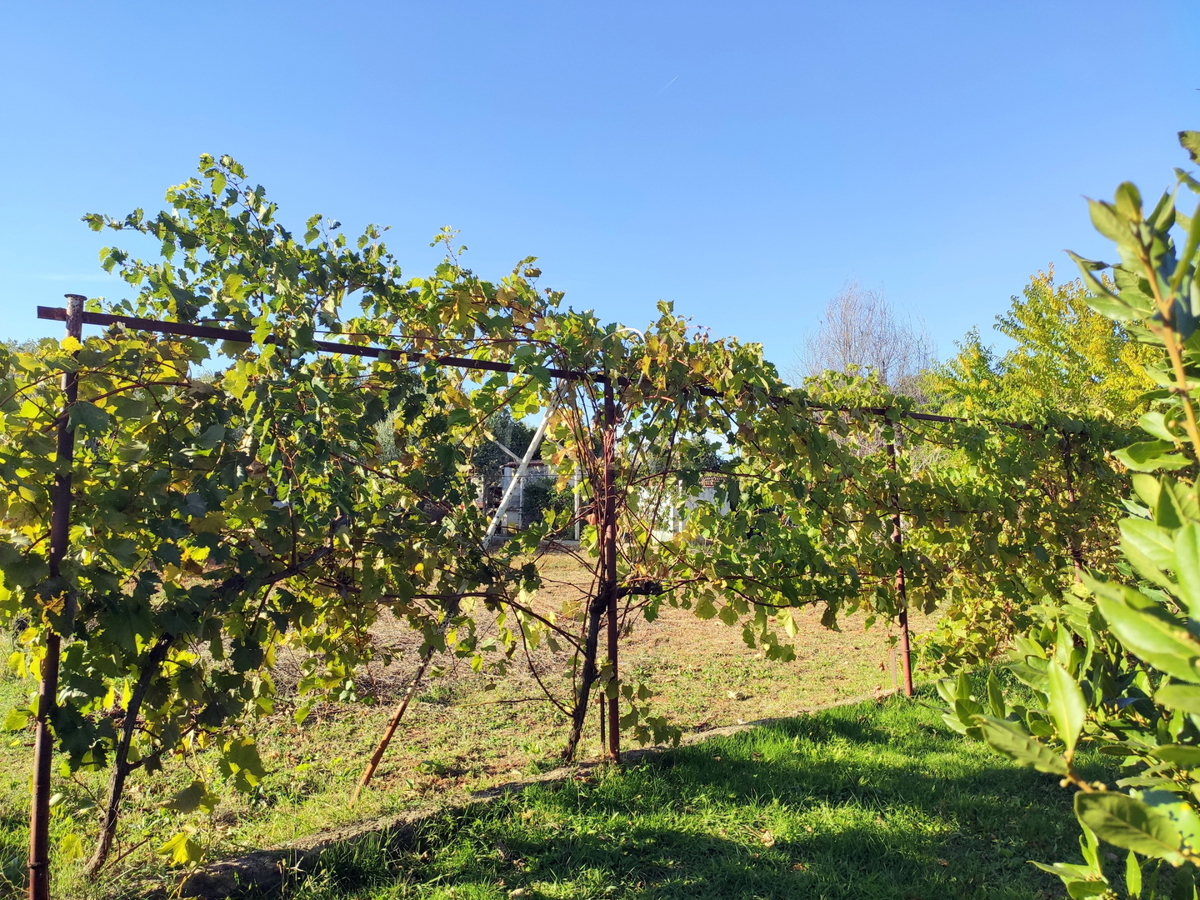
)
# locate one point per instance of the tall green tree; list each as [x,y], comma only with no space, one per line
[1067,359]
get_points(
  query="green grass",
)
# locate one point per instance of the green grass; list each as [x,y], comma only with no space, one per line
[863,802]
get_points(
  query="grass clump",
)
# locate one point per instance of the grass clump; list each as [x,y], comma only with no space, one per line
[864,802]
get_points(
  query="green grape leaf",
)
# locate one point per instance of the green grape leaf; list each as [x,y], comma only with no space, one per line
[88,416]
[16,720]
[240,761]
[182,849]
[193,797]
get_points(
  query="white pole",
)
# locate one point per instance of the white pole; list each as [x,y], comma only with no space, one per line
[534,443]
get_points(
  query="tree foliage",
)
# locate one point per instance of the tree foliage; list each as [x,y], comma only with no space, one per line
[1067,359]
[488,458]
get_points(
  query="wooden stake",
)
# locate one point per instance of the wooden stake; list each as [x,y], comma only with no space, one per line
[381,748]
[600,705]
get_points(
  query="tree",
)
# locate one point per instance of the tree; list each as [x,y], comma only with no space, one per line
[1067,359]
[541,495]
[489,457]
[860,333]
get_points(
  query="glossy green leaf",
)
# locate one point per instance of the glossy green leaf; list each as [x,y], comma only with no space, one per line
[1152,456]
[1181,755]
[1185,697]
[1151,539]
[996,702]
[1187,566]
[1148,631]
[1130,824]
[1133,875]
[1155,423]
[1020,747]
[1066,705]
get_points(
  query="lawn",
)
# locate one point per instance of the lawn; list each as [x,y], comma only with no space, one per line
[874,800]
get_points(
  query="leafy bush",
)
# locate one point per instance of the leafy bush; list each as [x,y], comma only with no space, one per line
[540,495]
[1117,662]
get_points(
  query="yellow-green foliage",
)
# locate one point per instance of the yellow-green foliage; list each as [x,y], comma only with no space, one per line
[1068,359]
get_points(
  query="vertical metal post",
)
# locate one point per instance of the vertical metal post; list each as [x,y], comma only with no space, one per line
[1074,536]
[901,590]
[608,559]
[600,705]
[60,527]
[578,502]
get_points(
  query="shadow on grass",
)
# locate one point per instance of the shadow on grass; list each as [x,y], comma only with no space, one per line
[13,849]
[863,802]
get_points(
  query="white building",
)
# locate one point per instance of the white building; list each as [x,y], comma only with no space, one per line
[673,510]
[515,518]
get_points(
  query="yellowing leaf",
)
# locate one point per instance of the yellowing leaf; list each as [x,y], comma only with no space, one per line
[182,849]
[71,847]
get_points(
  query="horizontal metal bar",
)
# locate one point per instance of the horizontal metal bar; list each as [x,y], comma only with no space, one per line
[59,314]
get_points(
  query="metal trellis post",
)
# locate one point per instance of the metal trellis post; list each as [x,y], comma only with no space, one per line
[54,590]
[901,590]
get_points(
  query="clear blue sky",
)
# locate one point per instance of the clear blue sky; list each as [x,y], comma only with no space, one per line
[742,159]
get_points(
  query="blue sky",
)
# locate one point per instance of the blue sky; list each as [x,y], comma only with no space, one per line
[744,160]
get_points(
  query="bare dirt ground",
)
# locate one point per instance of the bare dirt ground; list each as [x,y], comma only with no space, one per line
[703,674]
